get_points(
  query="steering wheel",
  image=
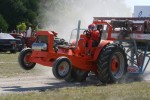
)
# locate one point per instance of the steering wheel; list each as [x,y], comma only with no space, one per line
[62,40]
[87,33]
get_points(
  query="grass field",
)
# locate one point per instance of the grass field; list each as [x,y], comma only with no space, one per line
[130,91]
[127,91]
[9,66]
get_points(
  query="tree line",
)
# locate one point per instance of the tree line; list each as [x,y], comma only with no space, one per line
[14,13]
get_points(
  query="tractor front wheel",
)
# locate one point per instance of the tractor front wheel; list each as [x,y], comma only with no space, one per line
[112,63]
[23,59]
[61,68]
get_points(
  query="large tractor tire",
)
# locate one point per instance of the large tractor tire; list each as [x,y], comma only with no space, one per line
[61,68]
[112,64]
[24,59]
[77,75]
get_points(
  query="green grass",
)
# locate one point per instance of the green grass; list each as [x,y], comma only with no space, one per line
[130,91]
[9,66]
[7,57]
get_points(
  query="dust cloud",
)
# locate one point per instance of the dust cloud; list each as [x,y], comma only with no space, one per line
[62,15]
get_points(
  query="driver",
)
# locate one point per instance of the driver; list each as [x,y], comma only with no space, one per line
[94,36]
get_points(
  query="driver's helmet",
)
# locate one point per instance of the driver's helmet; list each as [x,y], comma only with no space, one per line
[92,27]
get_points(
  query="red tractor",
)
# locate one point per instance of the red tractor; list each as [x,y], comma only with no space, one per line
[122,48]
[27,39]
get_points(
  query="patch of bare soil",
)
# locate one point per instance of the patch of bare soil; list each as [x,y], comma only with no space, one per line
[41,82]
[46,81]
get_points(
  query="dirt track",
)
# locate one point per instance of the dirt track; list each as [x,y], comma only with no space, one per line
[29,83]
[44,81]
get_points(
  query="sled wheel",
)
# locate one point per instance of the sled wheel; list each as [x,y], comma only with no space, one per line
[112,64]
[61,68]
[23,59]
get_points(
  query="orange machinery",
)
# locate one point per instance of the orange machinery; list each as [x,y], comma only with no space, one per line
[122,48]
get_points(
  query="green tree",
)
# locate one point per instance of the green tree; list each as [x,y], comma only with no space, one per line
[57,12]
[15,11]
[3,24]
[21,27]
[62,15]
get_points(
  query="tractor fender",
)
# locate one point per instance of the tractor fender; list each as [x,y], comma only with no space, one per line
[102,44]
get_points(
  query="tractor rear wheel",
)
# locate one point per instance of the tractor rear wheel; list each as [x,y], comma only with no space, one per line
[23,59]
[112,63]
[61,68]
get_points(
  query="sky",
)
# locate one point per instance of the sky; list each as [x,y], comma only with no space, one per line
[132,3]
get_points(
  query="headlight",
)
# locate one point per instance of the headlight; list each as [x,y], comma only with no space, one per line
[39,46]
